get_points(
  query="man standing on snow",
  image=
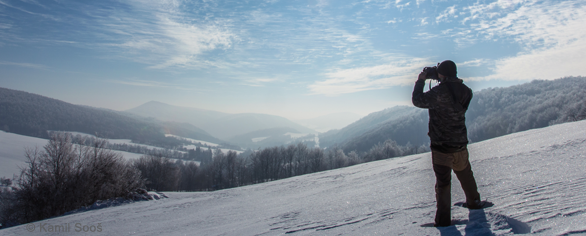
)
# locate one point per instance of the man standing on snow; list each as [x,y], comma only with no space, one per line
[447,104]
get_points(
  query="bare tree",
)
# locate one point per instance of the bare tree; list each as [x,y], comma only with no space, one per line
[316,159]
[301,159]
[289,158]
[189,175]
[63,177]
[160,173]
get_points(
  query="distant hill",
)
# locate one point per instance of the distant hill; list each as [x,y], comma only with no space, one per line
[187,130]
[330,121]
[369,123]
[166,112]
[407,130]
[33,115]
[218,124]
[493,112]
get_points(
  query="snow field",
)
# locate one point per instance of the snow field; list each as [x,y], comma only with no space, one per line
[535,179]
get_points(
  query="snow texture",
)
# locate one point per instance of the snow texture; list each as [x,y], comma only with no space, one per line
[535,179]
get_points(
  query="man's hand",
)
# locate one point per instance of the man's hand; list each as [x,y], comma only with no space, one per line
[422,76]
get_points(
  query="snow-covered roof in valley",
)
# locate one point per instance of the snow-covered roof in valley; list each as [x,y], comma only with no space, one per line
[535,179]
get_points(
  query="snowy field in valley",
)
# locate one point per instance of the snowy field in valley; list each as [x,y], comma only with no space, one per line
[535,179]
[195,141]
[115,141]
[12,149]
[295,135]
[12,152]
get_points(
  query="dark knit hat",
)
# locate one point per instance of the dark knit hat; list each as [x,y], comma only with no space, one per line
[447,68]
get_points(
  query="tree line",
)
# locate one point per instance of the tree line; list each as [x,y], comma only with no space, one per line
[228,170]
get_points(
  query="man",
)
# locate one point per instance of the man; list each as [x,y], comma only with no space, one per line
[447,104]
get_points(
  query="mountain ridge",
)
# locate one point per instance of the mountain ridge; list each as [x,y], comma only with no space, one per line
[218,124]
[33,115]
[163,111]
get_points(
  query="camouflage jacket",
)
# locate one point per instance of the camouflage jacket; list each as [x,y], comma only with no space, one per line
[447,120]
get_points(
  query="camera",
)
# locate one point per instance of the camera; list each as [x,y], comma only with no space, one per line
[431,72]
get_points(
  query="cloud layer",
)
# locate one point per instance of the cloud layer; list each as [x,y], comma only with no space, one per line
[326,47]
[401,71]
[551,33]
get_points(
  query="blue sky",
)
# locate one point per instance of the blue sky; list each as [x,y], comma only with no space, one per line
[298,59]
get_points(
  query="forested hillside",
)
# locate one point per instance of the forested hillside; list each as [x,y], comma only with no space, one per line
[500,111]
[367,124]
[33,115]
[493,112]
[166,112]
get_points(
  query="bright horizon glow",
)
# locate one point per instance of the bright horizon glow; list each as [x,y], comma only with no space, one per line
[297,59]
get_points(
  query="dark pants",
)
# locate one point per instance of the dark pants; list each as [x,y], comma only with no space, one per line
[443,174]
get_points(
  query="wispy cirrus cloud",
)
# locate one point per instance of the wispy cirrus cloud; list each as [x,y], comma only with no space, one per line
[394,21]
[400,5]
[259,82]
[160,34]
[425,36]
[12,6]
[27,65]
[163,35]
[537,25]
[303,36]
[418,2]
[399,72]
[450,12]
[474,63]
[150,83]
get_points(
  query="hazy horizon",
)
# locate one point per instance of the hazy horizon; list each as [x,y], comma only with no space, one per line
[295,59]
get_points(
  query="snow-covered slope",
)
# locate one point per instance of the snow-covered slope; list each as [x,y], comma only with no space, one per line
[535,179]
[13,146]
[12,149]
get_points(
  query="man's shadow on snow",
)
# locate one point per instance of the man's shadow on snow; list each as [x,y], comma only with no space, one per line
[477,224]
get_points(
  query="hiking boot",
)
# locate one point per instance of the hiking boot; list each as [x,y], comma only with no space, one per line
[438,225]
[477,204]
